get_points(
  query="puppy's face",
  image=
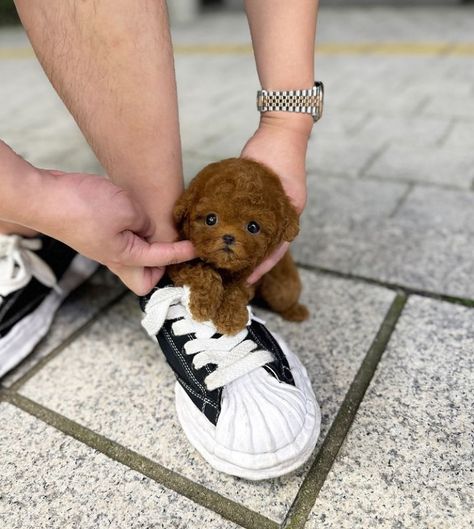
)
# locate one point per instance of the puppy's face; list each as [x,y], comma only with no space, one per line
[235,212]
[229,232]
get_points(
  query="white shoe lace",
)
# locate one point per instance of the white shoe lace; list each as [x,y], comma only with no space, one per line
[234,355]
[19,263]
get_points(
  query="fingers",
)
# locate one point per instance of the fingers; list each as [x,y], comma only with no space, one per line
[171,252]
[141,264]
[138,279]
[268,263]
[141,253]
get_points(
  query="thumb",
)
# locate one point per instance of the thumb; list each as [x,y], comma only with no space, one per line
[139,252]
[268,263]
[139,280]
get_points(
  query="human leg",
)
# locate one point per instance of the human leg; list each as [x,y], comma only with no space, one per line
[112,64]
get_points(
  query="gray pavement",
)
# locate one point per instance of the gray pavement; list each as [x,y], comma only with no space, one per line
[89,436]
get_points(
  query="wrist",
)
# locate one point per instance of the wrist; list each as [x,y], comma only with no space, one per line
[23,190]
[293,123]
[39,192]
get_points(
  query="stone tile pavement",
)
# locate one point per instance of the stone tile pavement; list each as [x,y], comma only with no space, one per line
[88,434]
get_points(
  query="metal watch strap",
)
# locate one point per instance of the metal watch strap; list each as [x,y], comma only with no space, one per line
[309,101]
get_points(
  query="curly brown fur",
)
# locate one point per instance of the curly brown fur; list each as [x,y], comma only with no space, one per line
[236,213]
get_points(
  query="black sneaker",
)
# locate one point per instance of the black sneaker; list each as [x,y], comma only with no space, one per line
[245,402]
[35,277]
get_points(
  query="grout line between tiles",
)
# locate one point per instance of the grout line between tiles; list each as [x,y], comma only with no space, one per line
[455,300]
[372,158]
[317,474]
[421,105]
[71,338]
[402,199]
[447,133]
[197,493]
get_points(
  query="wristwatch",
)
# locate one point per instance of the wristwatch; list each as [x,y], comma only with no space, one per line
[309,101]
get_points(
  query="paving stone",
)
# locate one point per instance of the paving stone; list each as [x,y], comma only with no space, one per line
[32,101]
[113,380]
[226,145]
[51,481]
[350,23]
[459,71]
[209,122]
[335,71]
[334,200]
[346,157]
[356,230]
[461,107]
[36,124]
[382,89]
[451,211]
[331,216]
[223,27]
[80,307]
[461,136]
[407,461]
[428,86]
[414,131]
[441,166]
[65,150]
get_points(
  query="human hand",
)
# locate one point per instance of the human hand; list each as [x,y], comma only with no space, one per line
[281,142]
[101,221]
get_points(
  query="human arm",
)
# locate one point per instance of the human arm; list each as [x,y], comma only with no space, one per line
[283,35]
[89,213]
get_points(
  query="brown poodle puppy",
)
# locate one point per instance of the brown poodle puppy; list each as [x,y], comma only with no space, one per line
[236,213]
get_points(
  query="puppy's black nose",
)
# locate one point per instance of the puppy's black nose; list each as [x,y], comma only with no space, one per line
[228,239]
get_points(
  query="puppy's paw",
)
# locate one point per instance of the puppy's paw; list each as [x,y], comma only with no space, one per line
[204,306]
[206,289]
[230,319]
[296,312]
[232,315]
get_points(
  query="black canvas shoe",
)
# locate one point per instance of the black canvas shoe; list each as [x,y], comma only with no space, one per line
[245,402]
[35,277]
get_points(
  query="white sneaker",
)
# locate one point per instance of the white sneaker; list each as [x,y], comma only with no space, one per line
[245,402]
[35,277]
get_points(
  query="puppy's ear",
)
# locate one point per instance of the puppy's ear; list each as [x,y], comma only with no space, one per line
[291,222]
[182,210]
[184,205]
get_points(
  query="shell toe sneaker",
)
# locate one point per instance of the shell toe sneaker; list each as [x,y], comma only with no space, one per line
[245,401]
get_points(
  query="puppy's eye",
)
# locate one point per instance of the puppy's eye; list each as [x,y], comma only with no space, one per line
[211,219]
[253,227]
